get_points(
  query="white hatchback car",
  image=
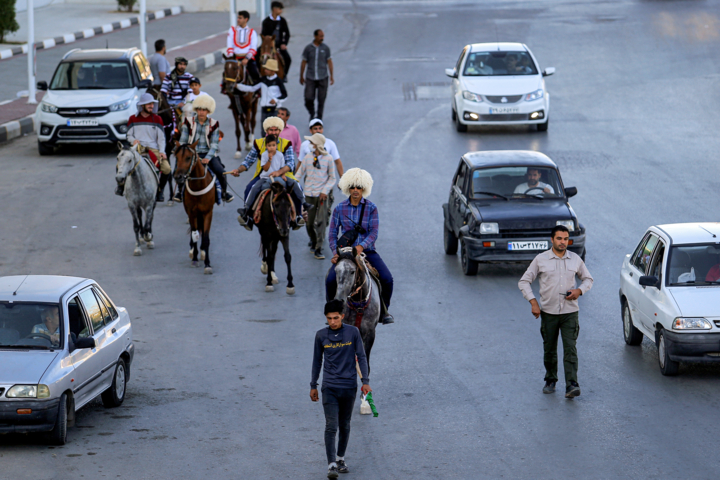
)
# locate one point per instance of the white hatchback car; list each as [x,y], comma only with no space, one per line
[499,84]
[670,292]
[91,97]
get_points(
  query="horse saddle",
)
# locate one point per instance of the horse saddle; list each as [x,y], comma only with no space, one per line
[151,159]
[257,206]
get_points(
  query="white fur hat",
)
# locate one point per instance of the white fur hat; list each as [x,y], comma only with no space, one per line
[271,122]
[356,177]
[204,101]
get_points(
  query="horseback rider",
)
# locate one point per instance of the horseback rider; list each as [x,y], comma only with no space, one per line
[206,131]
[175,87]
[146,129]
[194,92]
[271,126]
[276,25]
[242,44]
[354,212]
[272,90]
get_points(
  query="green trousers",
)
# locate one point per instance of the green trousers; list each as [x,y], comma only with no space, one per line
[568,327]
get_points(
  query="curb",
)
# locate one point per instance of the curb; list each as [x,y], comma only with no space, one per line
[26,125]
[90,32]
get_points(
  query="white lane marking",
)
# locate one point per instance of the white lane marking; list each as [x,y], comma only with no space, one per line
[224,32]
[399,151]
[7,101]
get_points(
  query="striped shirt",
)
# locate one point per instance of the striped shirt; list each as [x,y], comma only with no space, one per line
[204,149]
[148,130]
[176,94]
[346,215]
[317,180]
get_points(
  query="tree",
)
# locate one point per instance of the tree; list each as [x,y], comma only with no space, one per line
[129,4]
[7,18]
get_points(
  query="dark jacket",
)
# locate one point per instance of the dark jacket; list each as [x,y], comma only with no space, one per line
[276,82]
[279,28]
[339,348]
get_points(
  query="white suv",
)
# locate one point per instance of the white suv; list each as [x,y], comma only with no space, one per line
[670,292]
[499,84]
[91,97]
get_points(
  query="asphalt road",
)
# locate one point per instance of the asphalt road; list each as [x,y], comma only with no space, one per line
[220,383]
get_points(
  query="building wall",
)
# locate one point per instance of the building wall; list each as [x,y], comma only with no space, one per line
[152,5]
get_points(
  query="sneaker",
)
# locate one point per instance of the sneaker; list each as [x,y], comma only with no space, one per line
[177,198]
[308,206]
[549,387]
[319,255]
[300,221]
[333,472]
[573,390]
[342,466]
[120,190]
[245,223]
[159,198]
[388,319]
[228,197]
[242,211]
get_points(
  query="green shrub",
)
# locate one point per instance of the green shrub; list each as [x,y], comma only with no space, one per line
[128,4]
[7,18]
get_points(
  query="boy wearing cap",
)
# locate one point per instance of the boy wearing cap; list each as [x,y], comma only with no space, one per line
[272,90]
[192,95]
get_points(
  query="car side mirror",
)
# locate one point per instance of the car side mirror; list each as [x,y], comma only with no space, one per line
[451,72]
[650,281]
[548,71]
[42,85]
[85,342]
[147,83]
[570,192]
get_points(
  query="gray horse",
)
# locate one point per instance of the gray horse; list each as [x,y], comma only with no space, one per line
[360,292]
[141,186]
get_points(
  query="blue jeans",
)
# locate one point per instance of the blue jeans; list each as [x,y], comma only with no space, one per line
[258,184]
[338,406]
[374,259]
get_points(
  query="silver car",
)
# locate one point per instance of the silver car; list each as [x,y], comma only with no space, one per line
[63,342]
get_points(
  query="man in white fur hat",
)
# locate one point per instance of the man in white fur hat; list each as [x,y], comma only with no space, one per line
[206,131]
[358,210]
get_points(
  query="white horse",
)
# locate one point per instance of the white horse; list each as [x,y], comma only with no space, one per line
[141,185]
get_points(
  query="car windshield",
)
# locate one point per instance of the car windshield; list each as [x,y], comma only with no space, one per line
[693,265]
[516,183]
[91,75]
[30,325]
[489,64]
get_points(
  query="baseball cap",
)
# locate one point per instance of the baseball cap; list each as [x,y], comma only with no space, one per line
[315,121]
[195,80]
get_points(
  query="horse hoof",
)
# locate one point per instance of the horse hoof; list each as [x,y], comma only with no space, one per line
[275,280]
[238,154]
[263,268]
[148,237]
[137,252]
[269,288]
[290,291]
[191,253]
[151,244]
[208,270]
[202,255]
[195,263]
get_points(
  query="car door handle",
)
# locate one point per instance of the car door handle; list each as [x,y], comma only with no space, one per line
[631,274]
[113,330]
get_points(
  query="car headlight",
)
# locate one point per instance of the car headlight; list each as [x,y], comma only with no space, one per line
[473,97]
[115,107]
[569,224]
[489,228]
[691,323]
[46,107]
[536,95]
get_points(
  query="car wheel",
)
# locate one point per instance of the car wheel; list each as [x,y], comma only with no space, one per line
[542,127]
[469,266]
[582,257]
[450,241]
[58,435]
[114,396]
[459,126]
[45,149]
[667,367]
[454,115]
[633,336]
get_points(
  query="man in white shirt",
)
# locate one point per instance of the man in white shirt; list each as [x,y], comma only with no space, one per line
[272,90]
[533,186]
[194,92]
[316,126]
[242,43]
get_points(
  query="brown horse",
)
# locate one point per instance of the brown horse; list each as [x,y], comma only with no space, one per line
[243,105]
[274,226]
[199,199]
[268,51]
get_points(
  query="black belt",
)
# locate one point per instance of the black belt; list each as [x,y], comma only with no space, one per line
[269,109]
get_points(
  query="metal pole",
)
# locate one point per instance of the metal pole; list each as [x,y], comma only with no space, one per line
[31,52]
[143,36]
[232,13]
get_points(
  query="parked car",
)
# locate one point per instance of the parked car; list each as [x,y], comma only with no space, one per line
[499,84]
[63,342]
[670,293]
[91,97]
[503,206]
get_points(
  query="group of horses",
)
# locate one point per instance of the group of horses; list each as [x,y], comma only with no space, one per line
[274,211]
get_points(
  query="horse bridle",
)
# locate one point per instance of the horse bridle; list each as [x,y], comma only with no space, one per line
[192,163]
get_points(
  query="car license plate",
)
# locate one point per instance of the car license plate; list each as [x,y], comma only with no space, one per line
[501,110]
[82,122]
[527,245]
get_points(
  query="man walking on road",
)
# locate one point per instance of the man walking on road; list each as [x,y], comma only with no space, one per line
[159,66]
[339,345]
[316,58]
[556,269]
[276,25]
[289,132]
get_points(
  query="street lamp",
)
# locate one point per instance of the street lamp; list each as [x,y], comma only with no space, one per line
[31,52]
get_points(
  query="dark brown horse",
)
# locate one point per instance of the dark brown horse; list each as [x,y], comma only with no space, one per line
[274,227]
[268,51]
[199,199]
[171,134]
[243,105]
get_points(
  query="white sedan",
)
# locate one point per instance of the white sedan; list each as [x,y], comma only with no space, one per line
[499,84]
[670,292]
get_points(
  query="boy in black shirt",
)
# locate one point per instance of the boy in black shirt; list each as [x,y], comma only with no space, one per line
[276,25]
